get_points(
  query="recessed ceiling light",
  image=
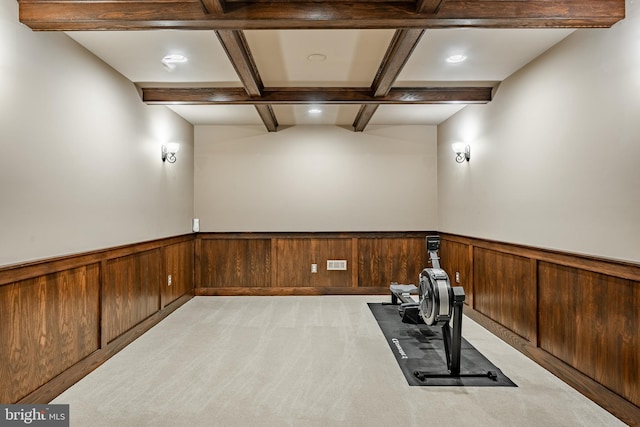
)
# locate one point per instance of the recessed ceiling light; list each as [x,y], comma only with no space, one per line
[317,57]
[454,59]
[174,58]
[314,110]
[170,61]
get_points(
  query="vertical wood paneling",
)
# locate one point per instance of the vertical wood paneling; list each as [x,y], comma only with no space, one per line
[198,260]
[591,321]
[295,256]
[274,263]
[471,300]
[534,309]
[454,257]
[179,264]
[103,316]
[503,291]
[235,263]
[57,316]
[584,312]
[354,262]
[229,262]
[132,291]
[385,260]
[48,323]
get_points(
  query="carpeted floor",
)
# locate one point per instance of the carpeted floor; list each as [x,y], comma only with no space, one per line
[304,361]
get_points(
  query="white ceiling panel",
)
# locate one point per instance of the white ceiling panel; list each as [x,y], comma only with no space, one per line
[492,55]
[138,54]
[352,57]
[341,115]
[414,114]
[237,115]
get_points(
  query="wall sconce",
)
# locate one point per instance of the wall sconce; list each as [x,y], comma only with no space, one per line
[463,152]
[169,152]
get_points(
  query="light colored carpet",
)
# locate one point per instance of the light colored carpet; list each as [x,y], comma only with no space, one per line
[304,361]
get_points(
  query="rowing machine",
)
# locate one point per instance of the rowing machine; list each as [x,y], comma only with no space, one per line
[438,303]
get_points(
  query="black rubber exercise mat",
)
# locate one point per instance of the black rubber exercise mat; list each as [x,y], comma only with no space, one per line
[420,348]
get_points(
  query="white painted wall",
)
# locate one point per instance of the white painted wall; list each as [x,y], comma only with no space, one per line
[80,165]
[554,157]
[316,178]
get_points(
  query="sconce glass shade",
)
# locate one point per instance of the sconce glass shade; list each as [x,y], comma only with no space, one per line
[169,152]
[463,151]
[173,147]
[458,147]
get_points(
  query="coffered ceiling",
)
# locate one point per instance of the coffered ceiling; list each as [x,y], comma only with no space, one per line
[277,63]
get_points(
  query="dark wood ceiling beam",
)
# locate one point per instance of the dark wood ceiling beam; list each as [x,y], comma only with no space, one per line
[70,15]
[237,49]
[398,53]
[213,6]
[402,45]
[235,45]
[315,95]
[429,6]
[319,1]
[363,117]
[365,113]
[265,111]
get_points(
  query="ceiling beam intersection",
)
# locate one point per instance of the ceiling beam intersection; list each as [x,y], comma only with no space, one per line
[213,6]
[429,6]
[237,49]
[400,49]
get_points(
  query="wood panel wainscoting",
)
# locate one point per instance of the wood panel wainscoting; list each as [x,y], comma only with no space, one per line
[61,318]
[280,263]
[577,316]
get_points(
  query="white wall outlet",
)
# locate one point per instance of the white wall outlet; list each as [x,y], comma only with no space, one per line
[336,264]
[195,225]
[169,280]
[314,268]
[457,277]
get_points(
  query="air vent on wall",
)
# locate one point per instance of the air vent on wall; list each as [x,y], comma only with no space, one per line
[336,264]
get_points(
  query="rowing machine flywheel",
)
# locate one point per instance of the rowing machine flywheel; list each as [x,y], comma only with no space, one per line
[436,297]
